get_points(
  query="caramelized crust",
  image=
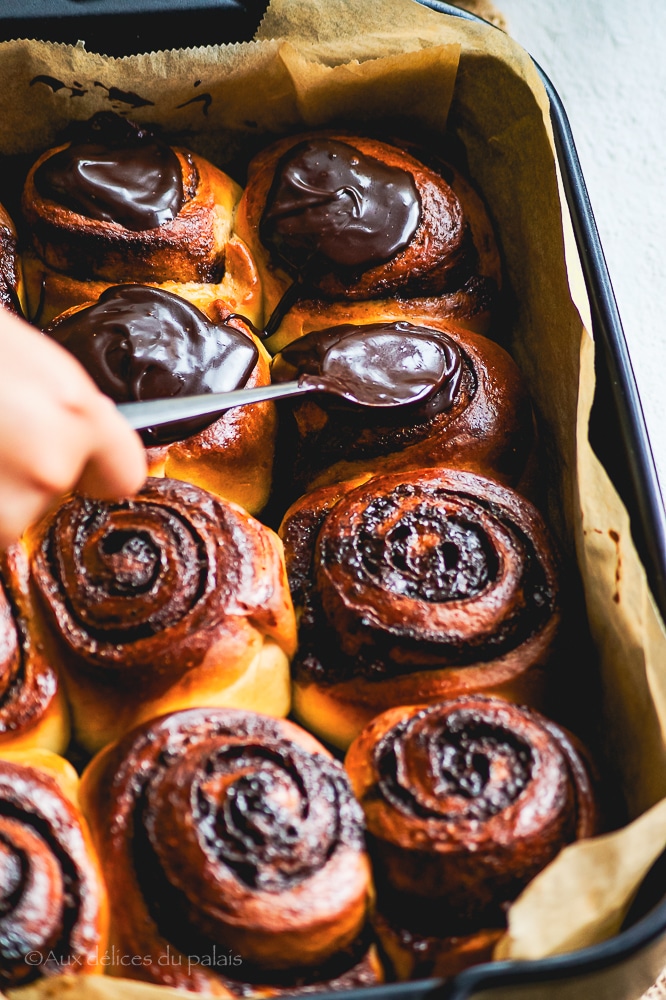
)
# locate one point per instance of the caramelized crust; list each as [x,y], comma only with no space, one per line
[50,292]
[489,429]
[418,954]
[465,802]
[227,832]
[441,260]
[189,248]
[413,588]
[53,900]
[33,712]
[12,292]
[171,599]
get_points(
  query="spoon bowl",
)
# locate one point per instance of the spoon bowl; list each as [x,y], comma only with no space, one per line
[378,368]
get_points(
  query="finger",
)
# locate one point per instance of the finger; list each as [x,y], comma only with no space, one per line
[116,465]
[20,508]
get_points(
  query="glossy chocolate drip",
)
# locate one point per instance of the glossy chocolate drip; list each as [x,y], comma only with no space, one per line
[333,208]
[121,174]
[462,767]
[379,362]
[139,342]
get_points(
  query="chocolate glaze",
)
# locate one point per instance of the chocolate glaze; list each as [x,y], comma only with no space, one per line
[139,342]
[387,363]
[333,208]
[120,173]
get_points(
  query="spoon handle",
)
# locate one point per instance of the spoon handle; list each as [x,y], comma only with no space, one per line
[153,412]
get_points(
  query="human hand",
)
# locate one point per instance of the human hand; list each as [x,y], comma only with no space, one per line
[57,431]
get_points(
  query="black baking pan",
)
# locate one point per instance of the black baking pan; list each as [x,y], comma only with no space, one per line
[623,967]
[122,27]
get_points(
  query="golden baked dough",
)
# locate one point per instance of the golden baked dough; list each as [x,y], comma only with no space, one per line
[168,600]
[231,833]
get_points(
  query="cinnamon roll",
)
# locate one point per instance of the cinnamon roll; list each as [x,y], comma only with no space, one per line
[170,599]
[119,204]
[139,342]
[234,844]
[479,418]
[12,292]
[333,217]
[33,711]
[465,802]
[415,587]
[54,916]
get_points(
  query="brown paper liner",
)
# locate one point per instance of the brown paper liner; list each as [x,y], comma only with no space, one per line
[327,60]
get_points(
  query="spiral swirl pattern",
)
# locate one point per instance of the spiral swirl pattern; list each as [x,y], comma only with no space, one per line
[10,268]
[29,687]
[51,897]
[447,560]
[170,599]
[229,830]
[436,568]
[165,567]
[469,799]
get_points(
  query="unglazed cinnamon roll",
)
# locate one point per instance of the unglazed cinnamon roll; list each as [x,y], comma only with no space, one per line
[415,587]
[171,599]
[118,204]
[479,418]
[342,217]
[33,711]
[231,834]
[465,802]
[54,916]
[12,292]
[139,342]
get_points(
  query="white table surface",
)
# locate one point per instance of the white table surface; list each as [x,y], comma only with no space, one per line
[607,60]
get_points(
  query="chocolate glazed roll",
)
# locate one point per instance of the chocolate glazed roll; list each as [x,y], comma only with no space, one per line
[138,342]
[479,417]
[119,204]
[233,845]
[413,588]
[12,293]
[53,913]
[343,217]
[33,711]
[465,802]
[171,599]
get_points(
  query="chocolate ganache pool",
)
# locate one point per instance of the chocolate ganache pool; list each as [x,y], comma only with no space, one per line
[124,174]
[331,206]
[385,364]
[139,342]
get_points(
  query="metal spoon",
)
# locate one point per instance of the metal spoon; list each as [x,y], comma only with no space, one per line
[154,412]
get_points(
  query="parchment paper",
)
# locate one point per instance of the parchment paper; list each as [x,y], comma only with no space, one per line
[323,60]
